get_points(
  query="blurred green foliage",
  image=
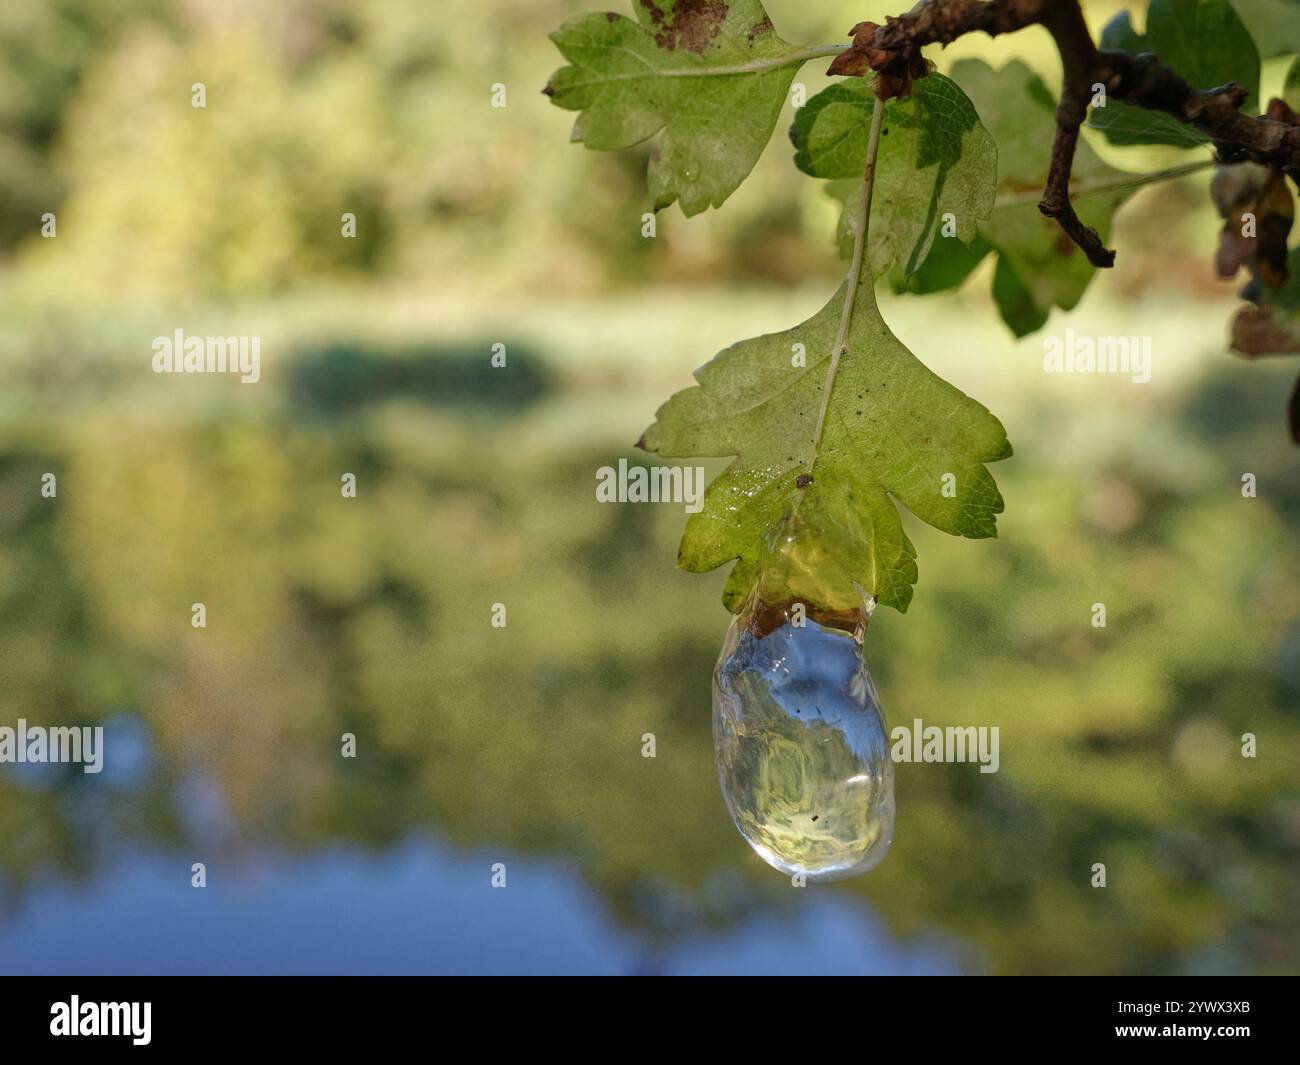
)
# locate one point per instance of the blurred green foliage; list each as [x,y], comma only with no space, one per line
[379,108]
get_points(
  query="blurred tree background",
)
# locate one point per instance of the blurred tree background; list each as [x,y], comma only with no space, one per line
[478,225]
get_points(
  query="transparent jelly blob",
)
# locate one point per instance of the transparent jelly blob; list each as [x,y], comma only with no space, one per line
[801,743]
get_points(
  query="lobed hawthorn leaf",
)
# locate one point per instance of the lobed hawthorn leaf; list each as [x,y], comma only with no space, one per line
[934,158]
[893,430]
[1038,266]
[1203,40]
[648,80]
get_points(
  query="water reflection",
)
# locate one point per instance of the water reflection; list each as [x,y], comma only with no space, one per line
[370,616]
[421,907]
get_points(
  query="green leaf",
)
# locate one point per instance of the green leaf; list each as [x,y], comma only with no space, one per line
[1274,25]
[943,269]
[893,430]
[661,79]
[935,159]
[1039,267]
[1202,40]
[1015,301]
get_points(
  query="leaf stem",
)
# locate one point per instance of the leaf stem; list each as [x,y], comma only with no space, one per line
[758,66]
[1134,181]
[852,280]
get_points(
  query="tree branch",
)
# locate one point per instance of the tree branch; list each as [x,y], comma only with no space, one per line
[1146,82]
[1064,21]
[893,51]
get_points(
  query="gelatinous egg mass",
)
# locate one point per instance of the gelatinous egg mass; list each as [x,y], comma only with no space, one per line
[801,743]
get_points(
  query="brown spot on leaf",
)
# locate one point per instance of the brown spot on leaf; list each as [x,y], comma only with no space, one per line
[549,90]
[612,16]
[759,28]
[689,24]
[803,480]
